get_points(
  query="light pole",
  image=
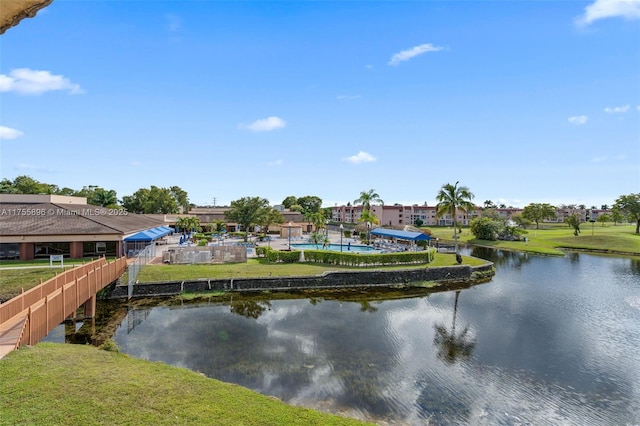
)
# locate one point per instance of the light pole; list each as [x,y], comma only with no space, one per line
[289,229]
[341,232]
[326,229]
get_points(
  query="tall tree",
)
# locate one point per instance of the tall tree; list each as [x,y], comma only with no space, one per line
[603,218]
[537,212]
[181,197]
[289,201]
[104,198]
[26,185]
[451,199]
[616,215]
[367,198]
[247,211]
[309,203]
[152,200]
[629,205]
[574,222]
[521,221]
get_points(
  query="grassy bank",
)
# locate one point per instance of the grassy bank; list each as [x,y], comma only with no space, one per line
[55,384]
[261,268]
[551,238]
[13,280]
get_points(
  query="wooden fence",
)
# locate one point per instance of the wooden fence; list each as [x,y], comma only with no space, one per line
[29,317]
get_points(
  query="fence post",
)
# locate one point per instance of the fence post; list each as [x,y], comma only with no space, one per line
[30,328]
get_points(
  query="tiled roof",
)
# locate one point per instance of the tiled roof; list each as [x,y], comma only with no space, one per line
[57,219]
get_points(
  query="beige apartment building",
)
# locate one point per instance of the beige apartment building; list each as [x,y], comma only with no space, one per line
[398,215]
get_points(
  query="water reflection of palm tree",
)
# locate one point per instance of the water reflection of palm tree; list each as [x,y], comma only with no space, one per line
[452,346]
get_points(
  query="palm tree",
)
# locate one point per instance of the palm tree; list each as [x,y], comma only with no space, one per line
[182,224]
[218,227]
[367,198]
[188,224]
[451,199]
[318,219]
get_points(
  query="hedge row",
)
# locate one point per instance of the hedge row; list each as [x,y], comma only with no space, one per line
[345,259]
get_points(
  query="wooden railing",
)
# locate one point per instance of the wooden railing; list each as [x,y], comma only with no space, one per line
[42,308]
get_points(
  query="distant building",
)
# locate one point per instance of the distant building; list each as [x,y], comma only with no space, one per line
[396,214]
[207,216]
[37,226]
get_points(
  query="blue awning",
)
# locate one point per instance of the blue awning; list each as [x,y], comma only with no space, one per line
[402,235]
[151,234]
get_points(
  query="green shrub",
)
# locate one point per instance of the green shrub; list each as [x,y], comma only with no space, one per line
[283,256]
[110,346]
[263,251]
[350,259]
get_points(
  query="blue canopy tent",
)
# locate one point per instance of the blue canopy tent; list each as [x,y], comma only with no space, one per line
[395,234]
[138,241]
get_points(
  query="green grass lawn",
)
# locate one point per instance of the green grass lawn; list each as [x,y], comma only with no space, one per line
[261,268]
[13,280]
[60,384]
[550,238]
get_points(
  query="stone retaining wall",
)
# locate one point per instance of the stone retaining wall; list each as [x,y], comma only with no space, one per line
[446,276]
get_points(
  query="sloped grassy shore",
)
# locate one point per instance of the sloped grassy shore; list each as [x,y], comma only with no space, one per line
[61,384]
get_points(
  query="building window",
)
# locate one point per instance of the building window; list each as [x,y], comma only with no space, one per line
[99,248]
[44,250]
[9,251]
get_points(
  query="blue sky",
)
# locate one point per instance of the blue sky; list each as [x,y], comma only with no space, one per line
[521,101]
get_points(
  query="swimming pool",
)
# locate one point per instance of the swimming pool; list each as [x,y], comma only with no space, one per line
[336,247]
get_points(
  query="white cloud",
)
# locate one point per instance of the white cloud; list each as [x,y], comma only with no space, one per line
[601,9]
[9,133]
[33,82]
[405,55]
[344,97]
[135,163]
[266,124]
[360,157]
[617,110]
[578,119]
[275,163]
[32,168]
[599,159]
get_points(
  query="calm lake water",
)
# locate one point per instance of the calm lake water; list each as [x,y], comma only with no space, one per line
[549,341]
